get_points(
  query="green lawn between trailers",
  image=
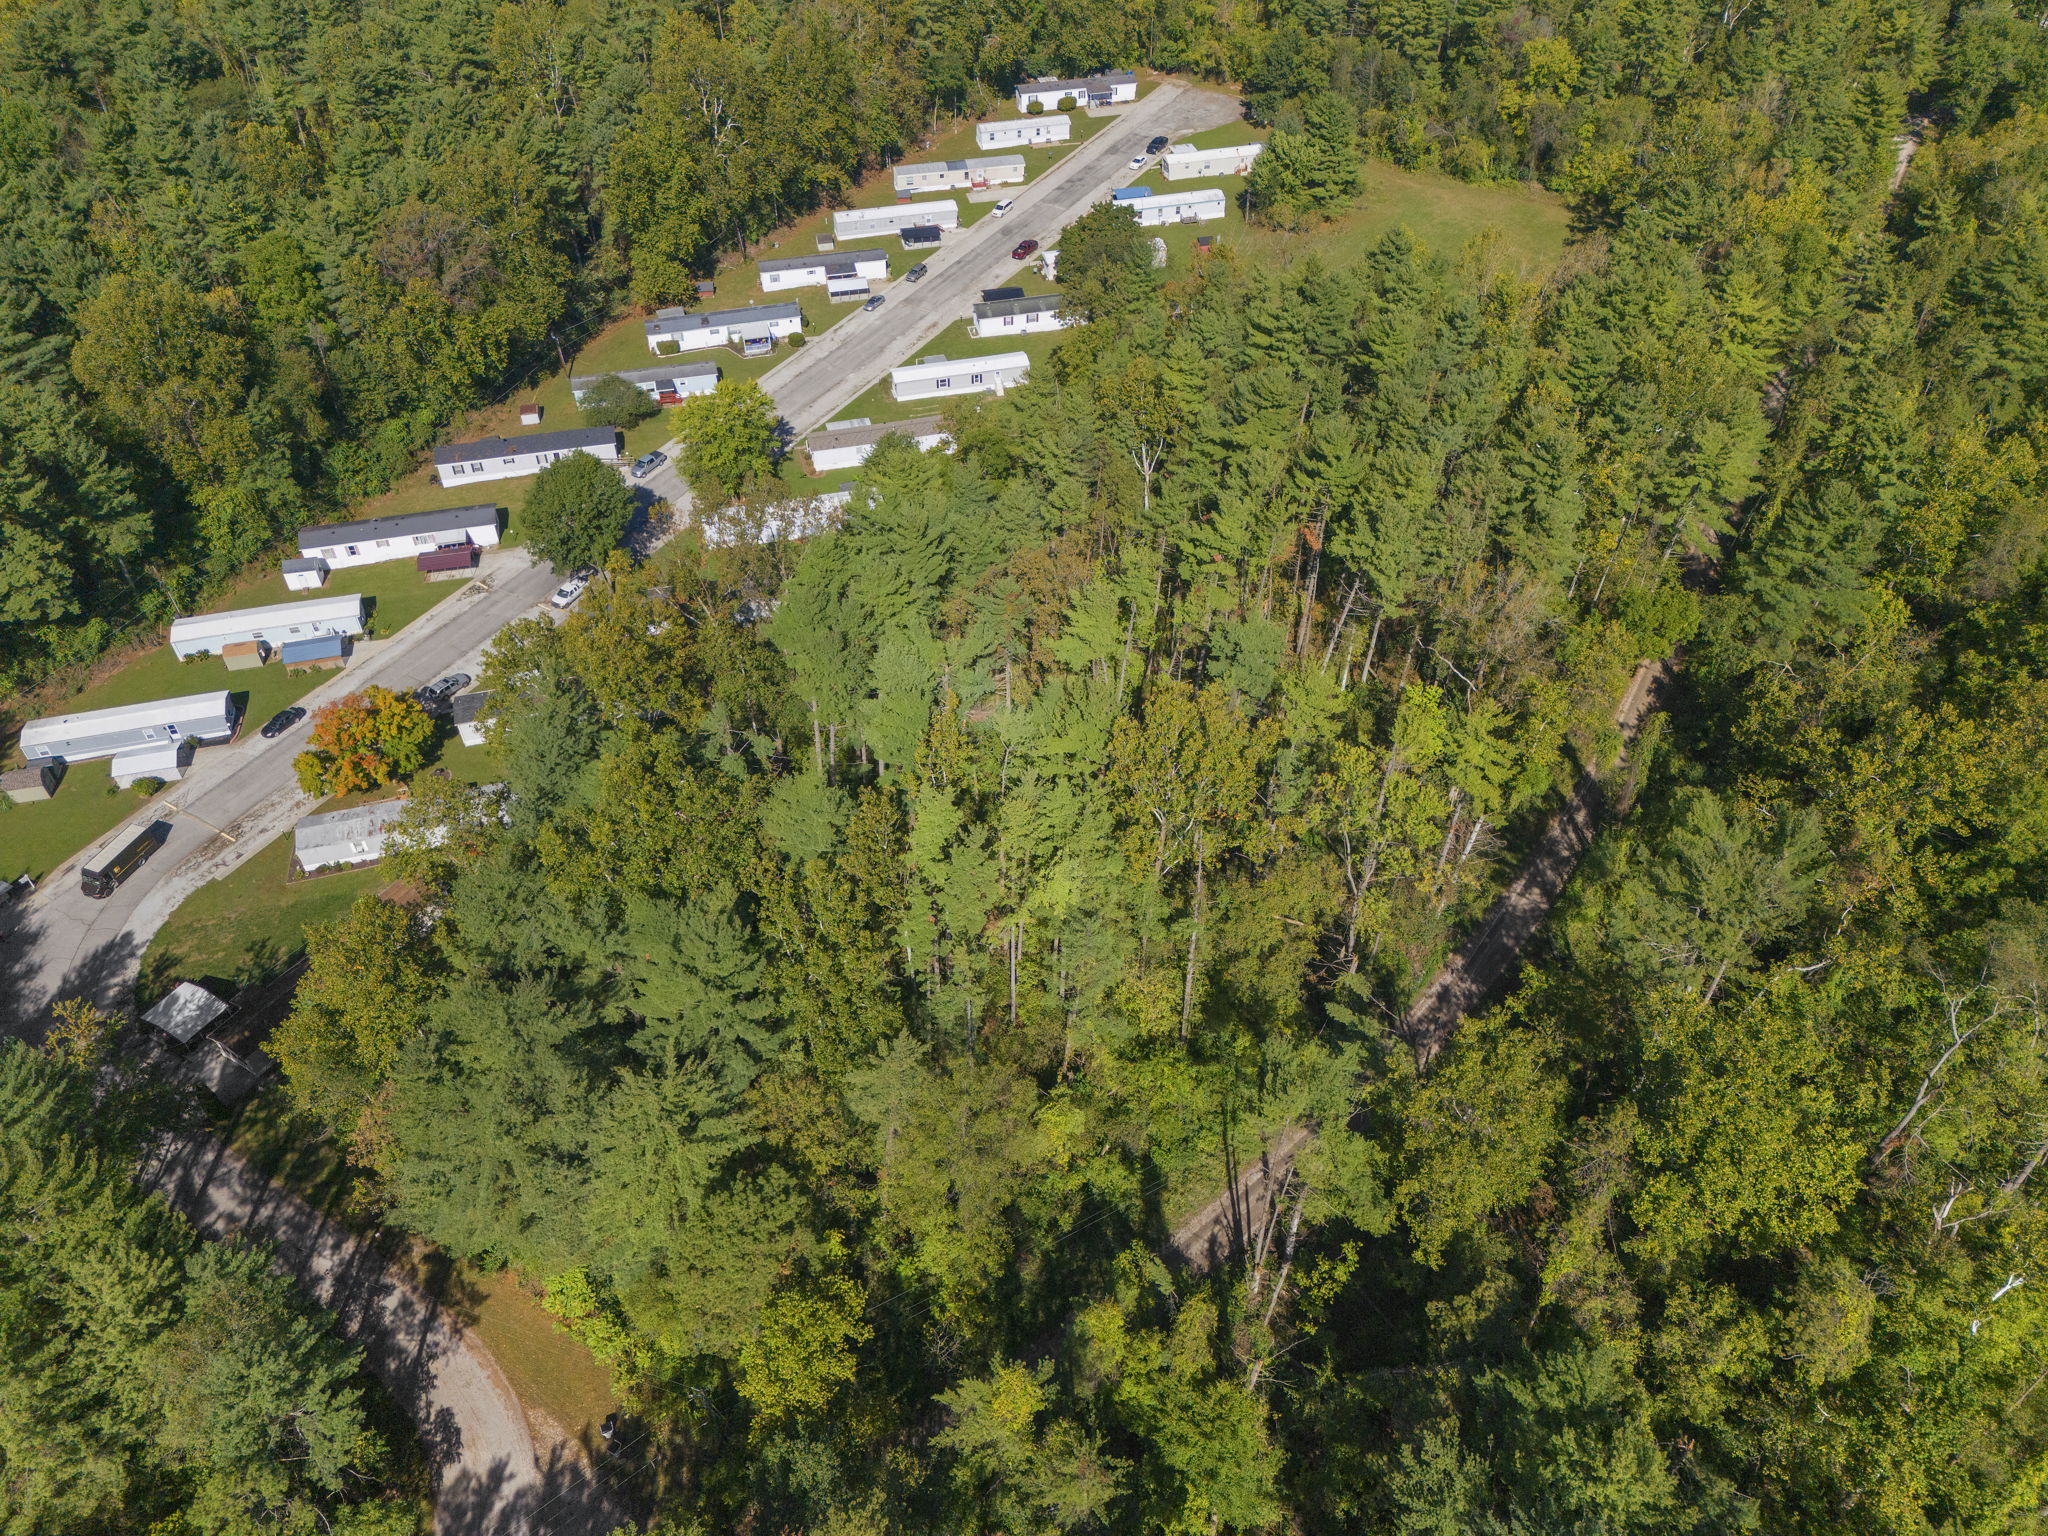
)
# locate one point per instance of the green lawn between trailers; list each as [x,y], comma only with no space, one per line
[36,838]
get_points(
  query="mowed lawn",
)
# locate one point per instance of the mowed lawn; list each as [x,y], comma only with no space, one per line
[35,839]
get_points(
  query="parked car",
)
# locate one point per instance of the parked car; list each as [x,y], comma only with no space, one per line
[874,303]
[914,273]
[648,463]
[1024,249]
[281,722]
[1158,145]
[1138,161]
[570,590]
[1002,208]
[435,694]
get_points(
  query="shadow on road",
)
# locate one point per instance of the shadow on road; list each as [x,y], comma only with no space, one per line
[103,976]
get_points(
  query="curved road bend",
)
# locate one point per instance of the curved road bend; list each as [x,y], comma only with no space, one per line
[486,1478]
[1222,1227]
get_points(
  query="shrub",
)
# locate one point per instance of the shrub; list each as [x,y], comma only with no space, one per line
[796,339]
[1067,103]
[147,785]
[1036,109]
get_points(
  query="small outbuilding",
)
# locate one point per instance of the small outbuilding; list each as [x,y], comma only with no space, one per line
[166,760]
[529,414]
[469,712]
[304,574]
[922,237]
[448,563]
[334,839]
[244,655]
[321,654]
[185,1013]
[38,781]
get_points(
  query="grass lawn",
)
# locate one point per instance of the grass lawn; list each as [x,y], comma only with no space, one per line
[244,926]
[954,342]
[554,1376]
[37,838]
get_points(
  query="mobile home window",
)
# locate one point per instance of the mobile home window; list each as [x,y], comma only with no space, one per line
[945,384]
[975,380]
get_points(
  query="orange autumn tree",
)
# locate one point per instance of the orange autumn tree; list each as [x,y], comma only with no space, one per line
[364,740]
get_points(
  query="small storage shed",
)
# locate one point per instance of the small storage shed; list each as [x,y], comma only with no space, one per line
[449,560]
[38,781]
[245,655]
[922,237]
[304,574]
[529,414]
[166,760]
[468,711]
[185,1012]
[324,652]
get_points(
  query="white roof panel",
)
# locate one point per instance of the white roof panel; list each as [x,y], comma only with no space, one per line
[125,717]
[994,362]
[321,610]
[184,1011]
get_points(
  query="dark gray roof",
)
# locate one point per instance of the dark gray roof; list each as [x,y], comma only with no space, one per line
[529,442]
[874,432]
[669,321]
[821,259]
[922,234]
[1036,304]
[465,707]
[318,648]
[646,375]
[405,526]
[1107,77]
[314,562]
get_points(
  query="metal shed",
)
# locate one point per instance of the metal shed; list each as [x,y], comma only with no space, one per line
[310,655]
[185,1012]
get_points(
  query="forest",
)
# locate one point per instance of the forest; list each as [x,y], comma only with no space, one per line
[880,941]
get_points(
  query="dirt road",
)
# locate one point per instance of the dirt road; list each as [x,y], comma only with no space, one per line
[487,1481]
[1462,984]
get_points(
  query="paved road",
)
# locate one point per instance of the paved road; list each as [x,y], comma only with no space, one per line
[236,799]
[1221,1227]
[487,1481]
[836,367]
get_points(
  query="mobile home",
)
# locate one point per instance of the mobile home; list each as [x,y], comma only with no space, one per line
[513,458]
[934,376]
[374,540]
[947,175]
[1194,206]
[846,445]
[754,328]
[1105,90]
[209,633]
[1019,316]
[669,386]
[99,733]
[1188,164]
[1053,128]
[869,223]
[834,271]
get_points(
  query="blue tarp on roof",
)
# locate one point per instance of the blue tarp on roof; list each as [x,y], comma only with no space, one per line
[319,648]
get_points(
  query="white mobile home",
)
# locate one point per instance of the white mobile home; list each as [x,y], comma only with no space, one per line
[834,271]
[869,223]
[207,634]
[846,445]
[128,728]
[513,458]
[668,386]
[1193,206]
[1053,128]
[945,175]
[1018,316]
[1188,164]
[1104,90]
[933,376]
[753,328]
[353,836]
[374,540]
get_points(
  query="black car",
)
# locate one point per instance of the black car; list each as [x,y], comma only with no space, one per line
[1158,145]
[281,722]
[915,273]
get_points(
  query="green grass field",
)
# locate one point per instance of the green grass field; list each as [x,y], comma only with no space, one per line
[35,839]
